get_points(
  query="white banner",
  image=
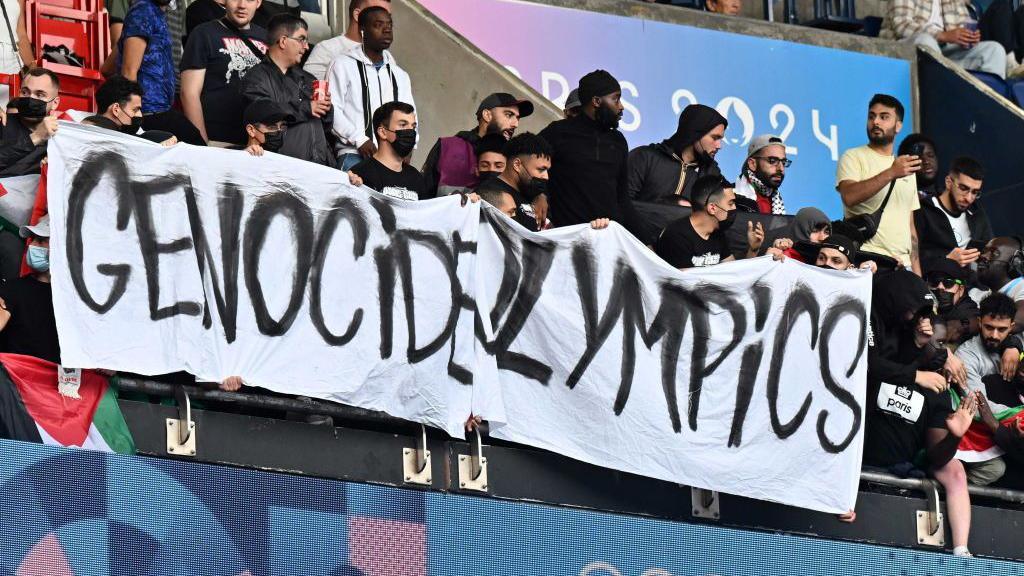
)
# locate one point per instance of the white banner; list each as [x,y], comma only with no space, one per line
[746,378]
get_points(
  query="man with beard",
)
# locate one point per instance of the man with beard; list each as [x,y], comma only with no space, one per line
[948,224]
[866,175]
[699,240]
[908,408]
[662,174]
[30,123]
[982,356]
[928,182]
[525,179]
[588,165]
[1000,269]
[763,173]
[450,166]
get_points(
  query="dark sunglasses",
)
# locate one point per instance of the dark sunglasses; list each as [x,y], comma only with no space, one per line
[947,283]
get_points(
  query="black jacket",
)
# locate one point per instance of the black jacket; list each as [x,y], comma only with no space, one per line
[892,355]
[935,235]
[293,92]
[18,155]
[652,179]
[588,174]
[431,176]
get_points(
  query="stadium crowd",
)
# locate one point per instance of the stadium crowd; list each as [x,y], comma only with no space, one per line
[948,301]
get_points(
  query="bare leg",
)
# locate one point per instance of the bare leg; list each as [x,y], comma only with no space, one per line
[958,502]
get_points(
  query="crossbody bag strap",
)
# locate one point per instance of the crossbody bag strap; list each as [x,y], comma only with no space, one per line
[245,39]
[366,97]
[10,34]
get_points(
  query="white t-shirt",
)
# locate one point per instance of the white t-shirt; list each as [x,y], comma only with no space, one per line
[961,231]
[1014,289]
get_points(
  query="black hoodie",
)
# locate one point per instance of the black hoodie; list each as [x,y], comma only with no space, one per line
[655,169]
[898,411]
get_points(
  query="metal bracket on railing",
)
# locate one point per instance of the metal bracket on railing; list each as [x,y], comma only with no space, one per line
[930,523]
[181,431]
[416,461]
[473,468]
[705,503]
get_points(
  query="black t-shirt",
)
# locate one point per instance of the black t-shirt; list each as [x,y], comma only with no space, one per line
[524,210]
[407,184]
[897,418]
[681,246]
[32,329]
[226,59]
[201,12]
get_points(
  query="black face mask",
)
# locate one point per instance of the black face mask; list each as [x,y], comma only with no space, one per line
[272,141]
[131,127]
[405,141]
[487,175]
[29,108]
[730,219]
[607,118]
[944,299]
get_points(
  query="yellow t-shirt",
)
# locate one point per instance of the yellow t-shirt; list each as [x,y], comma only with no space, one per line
[893,237]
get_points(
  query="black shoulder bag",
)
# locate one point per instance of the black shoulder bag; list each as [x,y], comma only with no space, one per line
[867,224]
[248,43]
[10,34]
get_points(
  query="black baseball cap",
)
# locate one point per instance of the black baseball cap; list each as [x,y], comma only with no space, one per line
[846,246]
[265,112]
[506,100]
[942,267]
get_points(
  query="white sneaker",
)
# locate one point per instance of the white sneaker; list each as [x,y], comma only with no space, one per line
[962,552]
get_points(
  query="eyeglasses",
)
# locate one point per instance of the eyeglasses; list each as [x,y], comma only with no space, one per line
[303,41]
[947,283]
[775,161]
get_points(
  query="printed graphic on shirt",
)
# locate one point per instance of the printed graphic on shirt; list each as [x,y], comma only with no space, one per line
[241,57]
[400,193]
[900,400]
[709,259]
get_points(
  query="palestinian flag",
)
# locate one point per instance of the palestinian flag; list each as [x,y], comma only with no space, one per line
[978,444]
[34,409]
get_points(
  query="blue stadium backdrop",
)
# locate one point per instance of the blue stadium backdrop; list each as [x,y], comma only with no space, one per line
[71,512]
[816,98]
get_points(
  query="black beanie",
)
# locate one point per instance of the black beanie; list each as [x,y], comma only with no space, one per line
[597,83]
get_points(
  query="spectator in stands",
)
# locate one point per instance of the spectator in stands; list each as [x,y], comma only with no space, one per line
[362,80]
[763,173]
[500,199]
[840,253]
[394,125]
[266,124]
[1000,269]
[726,7]
[216,58]
[867,173]
[144,54]
[939,25]
[699,240]
[327,51]
[450,164]
[664,173]
[908,408]
[30,123]
[983,357]
[572,104]
[954,223]
[525,178]
[280,79]
[120,101]
[948,282]
[100,121]
[809,226]
[928,182]
[27,324]
[490,156]
[13,57]
[588,174]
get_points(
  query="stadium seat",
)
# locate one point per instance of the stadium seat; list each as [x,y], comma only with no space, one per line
[85,33]
[1017,91]
[994,82]
[77,86]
